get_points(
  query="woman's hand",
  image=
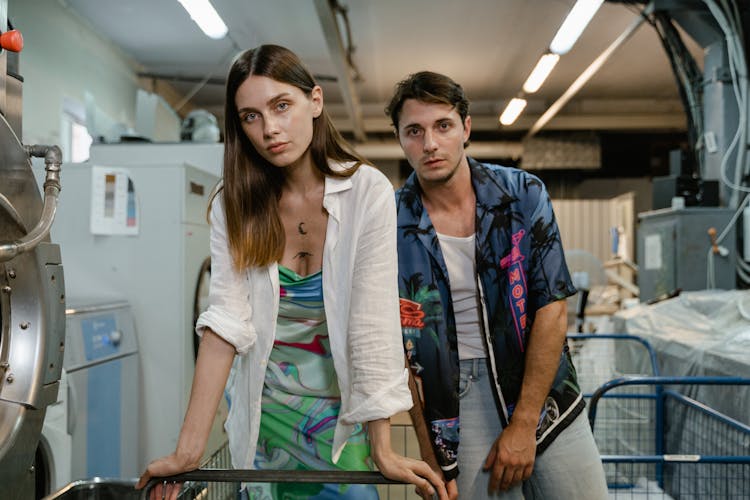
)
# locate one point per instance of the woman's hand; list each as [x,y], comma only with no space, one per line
[400,468]
[163,467]
[408,470]
[215,357]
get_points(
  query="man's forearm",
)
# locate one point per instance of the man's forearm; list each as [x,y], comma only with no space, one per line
[420,427]
[542,361]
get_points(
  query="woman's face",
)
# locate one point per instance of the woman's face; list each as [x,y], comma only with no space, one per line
[278,118]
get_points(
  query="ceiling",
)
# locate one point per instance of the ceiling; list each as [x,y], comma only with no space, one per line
[489,46]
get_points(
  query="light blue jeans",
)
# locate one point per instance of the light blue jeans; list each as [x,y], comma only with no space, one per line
[570,468]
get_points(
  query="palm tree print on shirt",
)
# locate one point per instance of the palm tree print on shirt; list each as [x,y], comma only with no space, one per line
[420,309]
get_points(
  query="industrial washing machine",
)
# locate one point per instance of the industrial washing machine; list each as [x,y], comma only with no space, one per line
[92,429]
[132,226]
[101,362]
[32,291]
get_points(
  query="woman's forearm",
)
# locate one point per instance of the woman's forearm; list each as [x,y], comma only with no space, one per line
[380,438]
[215,357]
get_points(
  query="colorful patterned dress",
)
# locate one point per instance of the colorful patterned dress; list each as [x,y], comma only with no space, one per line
[301,401]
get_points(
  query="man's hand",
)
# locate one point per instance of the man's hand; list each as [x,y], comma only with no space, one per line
[511,458]
[452,488]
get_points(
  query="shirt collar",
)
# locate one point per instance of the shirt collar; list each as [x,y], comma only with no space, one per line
[337,184]
[334,185]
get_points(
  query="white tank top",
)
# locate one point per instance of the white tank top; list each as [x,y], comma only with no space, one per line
[458,253]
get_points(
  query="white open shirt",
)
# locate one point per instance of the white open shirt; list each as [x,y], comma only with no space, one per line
[360,296]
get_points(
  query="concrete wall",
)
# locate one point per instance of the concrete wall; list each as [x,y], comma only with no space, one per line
[64,57]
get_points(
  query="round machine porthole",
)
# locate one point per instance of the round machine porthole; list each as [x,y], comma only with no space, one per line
[200,299]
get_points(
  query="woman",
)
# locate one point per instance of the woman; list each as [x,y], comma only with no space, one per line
[303,289]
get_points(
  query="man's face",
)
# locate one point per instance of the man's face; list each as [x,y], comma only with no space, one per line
[432,136]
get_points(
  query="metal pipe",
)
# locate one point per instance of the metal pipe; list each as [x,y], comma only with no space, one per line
[657,381]
[621,336]
[340,60]
[52,160]
[584,77]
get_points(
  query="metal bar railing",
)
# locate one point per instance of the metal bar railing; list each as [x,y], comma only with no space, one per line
[658,382]
[621,336]
[731,475]
[684,459]
[271,476]
[707,410]
[656,396]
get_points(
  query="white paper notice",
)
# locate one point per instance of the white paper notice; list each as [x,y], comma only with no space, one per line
[114,208]
[652,251]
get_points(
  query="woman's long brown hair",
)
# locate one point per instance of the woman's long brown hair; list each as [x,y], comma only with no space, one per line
[251,185]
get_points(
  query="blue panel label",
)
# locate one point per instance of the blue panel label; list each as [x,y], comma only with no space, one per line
[103,432]
[97,336]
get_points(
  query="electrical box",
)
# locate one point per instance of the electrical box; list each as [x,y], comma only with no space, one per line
[673,251]
[695,192]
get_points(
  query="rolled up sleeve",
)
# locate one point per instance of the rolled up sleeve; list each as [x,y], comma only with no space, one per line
[384,402]
[229,311]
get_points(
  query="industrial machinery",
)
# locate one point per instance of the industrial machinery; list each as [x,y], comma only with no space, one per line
[690,243]
[92,430]
[32,291]
[133,227]
[54,456]
[676,251]
[101,362]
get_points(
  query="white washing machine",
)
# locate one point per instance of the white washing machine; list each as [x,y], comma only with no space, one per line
[152,257]
[92,429]
[101,361]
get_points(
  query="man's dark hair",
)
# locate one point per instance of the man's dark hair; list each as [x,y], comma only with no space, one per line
[427,86]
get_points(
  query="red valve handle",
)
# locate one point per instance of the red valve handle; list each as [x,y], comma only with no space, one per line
[12,41]
[712,236]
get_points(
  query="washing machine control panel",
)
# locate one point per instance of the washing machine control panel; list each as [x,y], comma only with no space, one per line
[97,333]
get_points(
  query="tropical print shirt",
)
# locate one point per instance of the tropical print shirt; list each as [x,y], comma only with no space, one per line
[520,268]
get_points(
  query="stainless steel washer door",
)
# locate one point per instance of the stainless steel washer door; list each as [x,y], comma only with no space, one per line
[32,316]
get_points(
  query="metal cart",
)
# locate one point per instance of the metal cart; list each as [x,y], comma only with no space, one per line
[656,438]
[214,481]
[692,451]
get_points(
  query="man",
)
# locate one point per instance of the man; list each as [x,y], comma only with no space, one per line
[482,280]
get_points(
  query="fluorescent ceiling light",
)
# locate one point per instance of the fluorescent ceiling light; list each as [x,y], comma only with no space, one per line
[512,110]
[206,17]
[540,73]
[578,17]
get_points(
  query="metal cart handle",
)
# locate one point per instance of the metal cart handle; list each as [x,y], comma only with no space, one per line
[272,476]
